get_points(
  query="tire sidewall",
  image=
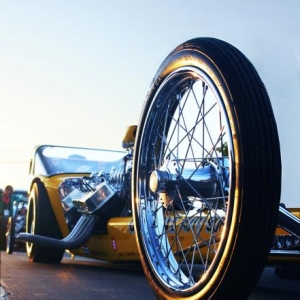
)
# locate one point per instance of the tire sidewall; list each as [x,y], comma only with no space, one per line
[31,220]
[41,220]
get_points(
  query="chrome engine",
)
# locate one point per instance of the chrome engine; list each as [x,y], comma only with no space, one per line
[102,194]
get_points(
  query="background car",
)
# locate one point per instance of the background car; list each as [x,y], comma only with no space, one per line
[20,199]
[17,222]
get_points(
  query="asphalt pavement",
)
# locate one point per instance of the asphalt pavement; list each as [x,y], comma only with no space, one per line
[97,280]
[272,287]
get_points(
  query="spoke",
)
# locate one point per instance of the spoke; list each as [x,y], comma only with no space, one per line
[188,133]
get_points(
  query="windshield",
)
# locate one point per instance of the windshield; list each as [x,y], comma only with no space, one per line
[50,160]
[20,196]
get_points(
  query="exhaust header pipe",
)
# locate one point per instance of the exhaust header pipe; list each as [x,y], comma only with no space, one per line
[288,221]
[78,236]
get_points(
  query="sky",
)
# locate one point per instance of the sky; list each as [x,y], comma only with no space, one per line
[77,72]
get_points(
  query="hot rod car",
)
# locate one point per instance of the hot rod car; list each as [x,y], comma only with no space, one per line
[196,195]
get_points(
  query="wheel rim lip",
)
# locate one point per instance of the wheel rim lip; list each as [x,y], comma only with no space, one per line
[30,224]
[185,287]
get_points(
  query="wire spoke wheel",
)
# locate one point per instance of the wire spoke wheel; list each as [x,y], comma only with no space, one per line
[197,195]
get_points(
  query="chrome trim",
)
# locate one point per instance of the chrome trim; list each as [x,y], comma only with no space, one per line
[288,221]
[285,253]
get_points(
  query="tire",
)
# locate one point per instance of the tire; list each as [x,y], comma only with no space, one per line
[3,228]
[206,174]
[41,221]
[10,235]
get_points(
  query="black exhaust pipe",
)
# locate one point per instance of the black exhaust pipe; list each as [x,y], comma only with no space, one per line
[78,236]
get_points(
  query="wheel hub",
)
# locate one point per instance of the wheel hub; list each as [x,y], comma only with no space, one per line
[159,181]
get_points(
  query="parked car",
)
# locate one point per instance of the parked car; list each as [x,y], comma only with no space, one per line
[19,199]
[196,196]
[17,222]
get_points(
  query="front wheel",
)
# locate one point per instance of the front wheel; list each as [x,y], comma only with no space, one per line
[206,175]
[41,220]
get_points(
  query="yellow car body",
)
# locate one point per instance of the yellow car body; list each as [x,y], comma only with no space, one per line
[117,243]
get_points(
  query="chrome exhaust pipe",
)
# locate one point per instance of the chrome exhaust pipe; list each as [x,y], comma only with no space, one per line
[288,221]
[80,234]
